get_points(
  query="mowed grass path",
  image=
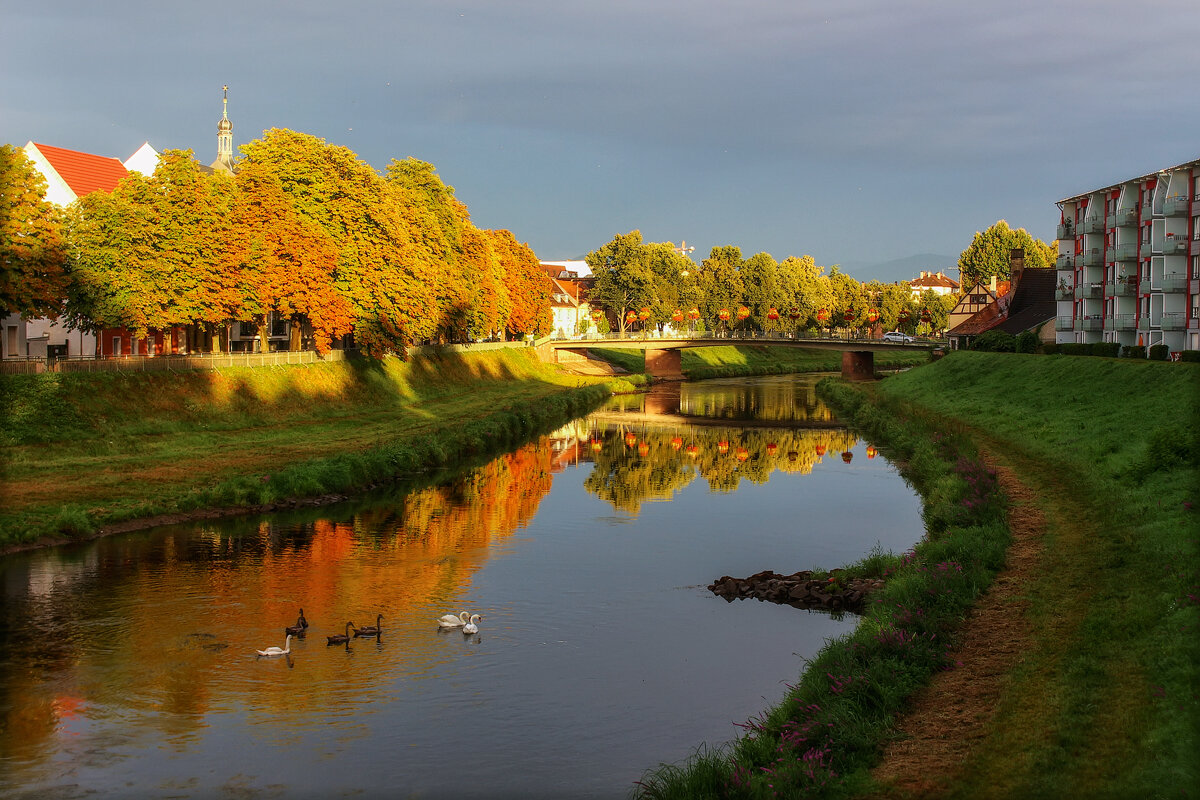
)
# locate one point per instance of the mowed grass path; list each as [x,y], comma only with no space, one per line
[116,445]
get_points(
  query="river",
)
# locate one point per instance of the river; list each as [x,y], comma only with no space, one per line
[128,664]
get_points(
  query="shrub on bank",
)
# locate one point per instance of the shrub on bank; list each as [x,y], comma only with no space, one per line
[825,734]
[1159,352]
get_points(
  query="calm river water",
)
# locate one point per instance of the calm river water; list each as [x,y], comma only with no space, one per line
[128,666]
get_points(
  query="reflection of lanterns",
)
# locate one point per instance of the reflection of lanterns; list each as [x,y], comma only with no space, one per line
[597,445]
[677,316]
[926,317]
[723,315]
[793,455]
[722,447]
[743,312]
[676,443]
[847,455]
[772,448]
[772,314]
[631,316]
[631,438]
[694,314]
[822,315]
[643,449]
[742,454]
[820,449]
[692,450]
[871,451]
[644,314]
[872,314]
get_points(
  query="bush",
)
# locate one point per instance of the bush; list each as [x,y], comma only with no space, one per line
[1027,342]
[995,342]
[1074,349]
[1051,349]
[1159,352]
[1190,355]
[1133,351]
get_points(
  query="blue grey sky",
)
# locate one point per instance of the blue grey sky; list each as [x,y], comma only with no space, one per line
[855,131]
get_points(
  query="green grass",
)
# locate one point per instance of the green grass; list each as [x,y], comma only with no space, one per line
[84,450]
[730,361]
[1107,703]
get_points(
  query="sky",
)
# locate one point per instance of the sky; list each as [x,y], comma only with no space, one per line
[855,131]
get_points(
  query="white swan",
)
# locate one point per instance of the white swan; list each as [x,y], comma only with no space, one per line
[471,627]
[278,651]
[451,621]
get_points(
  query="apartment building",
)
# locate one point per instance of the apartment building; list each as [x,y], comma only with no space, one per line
[1129,262]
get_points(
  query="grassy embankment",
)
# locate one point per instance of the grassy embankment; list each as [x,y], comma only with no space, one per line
[81,451]
[1106,703]
[732,361]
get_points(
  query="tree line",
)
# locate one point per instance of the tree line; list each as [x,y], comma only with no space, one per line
[303,229]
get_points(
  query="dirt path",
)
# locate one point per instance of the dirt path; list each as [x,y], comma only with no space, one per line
[950,716]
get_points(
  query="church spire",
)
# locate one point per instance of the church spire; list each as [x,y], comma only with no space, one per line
[224,162]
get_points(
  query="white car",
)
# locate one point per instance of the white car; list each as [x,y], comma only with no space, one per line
[897,336]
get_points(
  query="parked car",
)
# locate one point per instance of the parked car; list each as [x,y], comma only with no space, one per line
[897,336]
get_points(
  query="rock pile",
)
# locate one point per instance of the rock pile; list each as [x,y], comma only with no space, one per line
[834,592]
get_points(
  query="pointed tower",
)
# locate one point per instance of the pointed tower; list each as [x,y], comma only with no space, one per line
[224,162]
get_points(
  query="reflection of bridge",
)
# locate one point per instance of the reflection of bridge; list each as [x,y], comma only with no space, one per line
[671,421]
[663,358]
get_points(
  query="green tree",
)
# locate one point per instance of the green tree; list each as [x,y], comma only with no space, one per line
[33,280]
[624,278]
[990,254]
[722,284]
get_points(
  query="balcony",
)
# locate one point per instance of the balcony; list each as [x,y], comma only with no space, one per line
[1093,225]
[1123,287]
[1089,324]
[1065,262]
[1144,286]
[1090,258]
[1065,230]
[1174,284]
[1064,293]
[1176,206]
[1175,246]
[1173,321]
[1089,291]
[1123,218]
[1143,323]
[1121,322]
[1146,250]
[1125,252]
[1064,324]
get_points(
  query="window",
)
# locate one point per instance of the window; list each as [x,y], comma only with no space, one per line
[279,325]
[116,346]
[247,329]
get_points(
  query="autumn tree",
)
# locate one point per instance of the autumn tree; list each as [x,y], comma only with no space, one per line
[990,254]
[33,281]
[529,287]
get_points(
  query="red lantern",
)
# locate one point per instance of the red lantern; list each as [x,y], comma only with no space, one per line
[794,314]
[743,312]
[597,314]
[926,317]
[871,451]
[630,439]
[676,443]
[644,314]
[742,454]
[823,315]
[694,314]
[772,448]
[677,316]
[722,447]
[723,315]
[821,449]
[873,315]
[692,450]
[643,449]
[849,315]
[597,444]
[904,315]
[772,314]
[631,316]
[847,455]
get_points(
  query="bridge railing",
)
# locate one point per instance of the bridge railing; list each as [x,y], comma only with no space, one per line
[726,337]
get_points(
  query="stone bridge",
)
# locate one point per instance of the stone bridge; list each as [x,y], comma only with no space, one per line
[664,354]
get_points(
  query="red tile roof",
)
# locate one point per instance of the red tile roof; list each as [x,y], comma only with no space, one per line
[84,173]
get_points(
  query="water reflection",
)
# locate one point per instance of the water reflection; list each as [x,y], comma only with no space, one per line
[128,666]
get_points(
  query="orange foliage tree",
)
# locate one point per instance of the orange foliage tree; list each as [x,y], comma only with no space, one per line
[529,288]
[32,249]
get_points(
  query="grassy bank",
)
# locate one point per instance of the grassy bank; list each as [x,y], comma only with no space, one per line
[732,361]
[1107,702]
[81,451]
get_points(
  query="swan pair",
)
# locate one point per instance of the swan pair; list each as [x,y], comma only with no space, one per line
[468,622]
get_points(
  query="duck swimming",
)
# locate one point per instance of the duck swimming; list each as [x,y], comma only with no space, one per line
[370,630]
[341,638]
[300,627]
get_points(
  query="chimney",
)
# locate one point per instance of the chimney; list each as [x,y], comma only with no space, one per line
[992,285]
[1016,264]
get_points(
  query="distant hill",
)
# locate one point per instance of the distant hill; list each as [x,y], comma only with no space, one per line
[902,269]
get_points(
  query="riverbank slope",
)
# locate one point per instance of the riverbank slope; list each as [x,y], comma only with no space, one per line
[86,451]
